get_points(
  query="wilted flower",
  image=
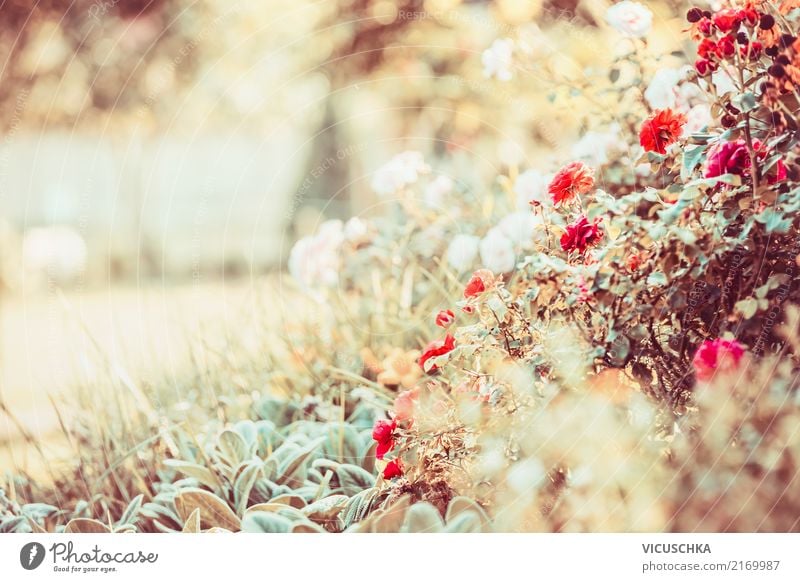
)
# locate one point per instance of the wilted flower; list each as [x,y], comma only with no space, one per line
[393,469]
[581,235]
[445,318]
[630,19]
[383,434]
[719,355]
[401,171]
[462,252]
[436,348]
[570,181]
[405,404]
[661,130]
[498,59]
[399,369]
[497,252]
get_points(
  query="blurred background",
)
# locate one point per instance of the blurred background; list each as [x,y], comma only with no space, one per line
[158,157]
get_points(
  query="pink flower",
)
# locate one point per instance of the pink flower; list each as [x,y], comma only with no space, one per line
[570,181]
[717,355]
[581,234]
[404,405]
[437,348]
[727,157]
[383,434]
[445,318]
[393,469]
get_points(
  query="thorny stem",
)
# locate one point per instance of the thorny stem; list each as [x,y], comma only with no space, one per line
[748,137]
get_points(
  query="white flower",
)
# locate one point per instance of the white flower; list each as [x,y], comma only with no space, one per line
[437,191]
[497,252]
[595,146]
[526,475]
[520,226]
[315,261]
[698,117]
[402,170]
[356,230]
[630,19]
[667,90]
[497,59]
[662,91]
[531,186]
[462,252]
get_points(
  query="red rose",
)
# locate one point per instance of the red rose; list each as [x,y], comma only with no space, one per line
[715,356]
[706,48]
[445,318]
[661,130]
[437,348]
[727,20]
[726,46]
[393,469]
[581,235]
[727,157]
[476,286]
[572,180]
[383,433]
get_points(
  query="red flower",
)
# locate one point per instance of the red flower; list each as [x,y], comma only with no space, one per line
[572,180]
[383,433]
[727,157]
[661,130]
[445,318]
[717,355]
[706,48]
[581,234]
[727,20]
[634,261]
[404,405]
[726,46]
[476,285]
[704,67]
[393,469]
[470,309]
[437,348]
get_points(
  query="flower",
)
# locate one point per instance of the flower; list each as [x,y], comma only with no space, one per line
[519,227]
[727,20]
[497,59]
[581,234]
[356,231]
[383,434]
[663,88]
[531,189]
[719,355]
[314,260]
[727,157]
[572,180]
[393,469]
[475,286]
[697,118]
[445,318]
[630,19]
[436,348]
[404,405]
[497,252]
[661,130]
[437,190]
[595,146]
[398,369]
[402,170]
[462,252]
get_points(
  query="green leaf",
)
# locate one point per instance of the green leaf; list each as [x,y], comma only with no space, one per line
[691,159]
[657,279]
[265,522]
